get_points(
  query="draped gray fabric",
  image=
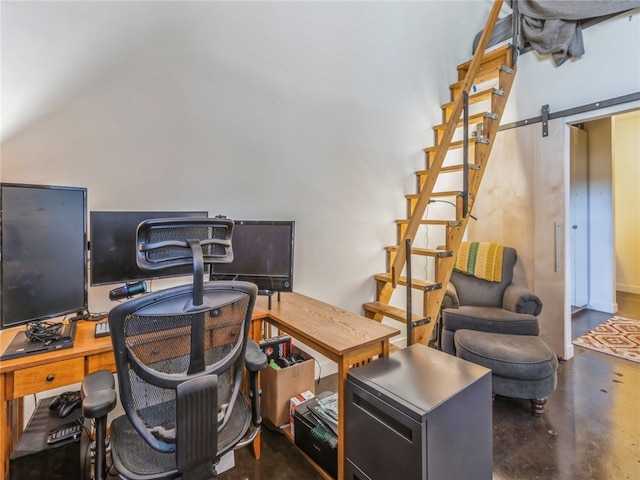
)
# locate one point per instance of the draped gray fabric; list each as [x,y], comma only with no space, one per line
[555,27]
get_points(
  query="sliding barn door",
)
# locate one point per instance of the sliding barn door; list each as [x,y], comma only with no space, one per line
[521,203]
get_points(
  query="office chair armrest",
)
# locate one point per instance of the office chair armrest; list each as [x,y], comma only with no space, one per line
[98,394]
[255,359]
[520,299]
[450,299]
[98,399]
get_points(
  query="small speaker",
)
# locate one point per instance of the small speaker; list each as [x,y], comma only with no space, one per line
[34,459]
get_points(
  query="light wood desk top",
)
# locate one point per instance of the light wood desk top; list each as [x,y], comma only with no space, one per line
[331,330]
[346,338]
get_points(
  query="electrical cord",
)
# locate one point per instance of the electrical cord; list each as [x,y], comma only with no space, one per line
[43,331]
[450,203]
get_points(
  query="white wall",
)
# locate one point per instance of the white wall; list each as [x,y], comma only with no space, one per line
[626,174]
[601,229]
[313,111]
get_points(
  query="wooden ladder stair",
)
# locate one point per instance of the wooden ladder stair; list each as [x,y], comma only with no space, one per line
[487,79]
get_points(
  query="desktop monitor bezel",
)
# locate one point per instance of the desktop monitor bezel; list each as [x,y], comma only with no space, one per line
[105,253]
[267,282]
[53,260]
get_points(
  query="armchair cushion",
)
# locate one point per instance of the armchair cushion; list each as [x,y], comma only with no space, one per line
[489,319]
[476,291]
[484,319]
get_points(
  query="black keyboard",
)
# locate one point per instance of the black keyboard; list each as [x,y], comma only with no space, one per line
[102,329]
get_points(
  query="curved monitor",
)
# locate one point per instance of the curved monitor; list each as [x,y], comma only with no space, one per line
[43,247]
[113,246]
[262,254]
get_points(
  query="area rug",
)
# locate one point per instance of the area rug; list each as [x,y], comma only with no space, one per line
[617,336]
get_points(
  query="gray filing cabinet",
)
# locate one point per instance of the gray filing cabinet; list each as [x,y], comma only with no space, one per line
[419,414]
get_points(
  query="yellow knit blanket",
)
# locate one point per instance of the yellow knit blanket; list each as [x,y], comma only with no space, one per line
[480,259]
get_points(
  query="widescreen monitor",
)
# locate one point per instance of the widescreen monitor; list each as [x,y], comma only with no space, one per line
[113,246]
[263,253]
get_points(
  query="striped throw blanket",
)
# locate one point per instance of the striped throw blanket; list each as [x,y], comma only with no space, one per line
[480,259]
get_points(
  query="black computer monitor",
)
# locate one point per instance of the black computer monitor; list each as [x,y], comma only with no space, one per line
[113,246]
[43,248]
[262,254]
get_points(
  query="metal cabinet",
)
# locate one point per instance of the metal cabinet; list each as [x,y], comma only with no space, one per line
[419,414]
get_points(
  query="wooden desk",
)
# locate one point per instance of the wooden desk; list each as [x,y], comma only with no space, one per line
[20,377]
[342,336]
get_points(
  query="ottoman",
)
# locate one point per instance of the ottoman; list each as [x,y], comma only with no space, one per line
[522,366]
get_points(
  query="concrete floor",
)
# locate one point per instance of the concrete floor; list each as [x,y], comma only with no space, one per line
[590,428]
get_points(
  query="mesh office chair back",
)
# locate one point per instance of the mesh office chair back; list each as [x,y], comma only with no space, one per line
[179,357]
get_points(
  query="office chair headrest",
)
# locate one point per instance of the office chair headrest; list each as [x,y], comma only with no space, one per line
[172,242]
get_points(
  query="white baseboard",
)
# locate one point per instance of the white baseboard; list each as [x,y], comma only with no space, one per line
[603,307]
[568,351]
[635,289]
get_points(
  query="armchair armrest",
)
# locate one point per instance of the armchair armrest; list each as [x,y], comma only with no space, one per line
[520,299]
[450,299]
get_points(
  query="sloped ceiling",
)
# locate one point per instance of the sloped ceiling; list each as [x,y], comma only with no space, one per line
[52,49]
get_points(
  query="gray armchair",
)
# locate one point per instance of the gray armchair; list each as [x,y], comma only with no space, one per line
[472,303]
[495,324]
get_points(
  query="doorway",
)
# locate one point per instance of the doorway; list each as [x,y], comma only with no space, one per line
[603,252]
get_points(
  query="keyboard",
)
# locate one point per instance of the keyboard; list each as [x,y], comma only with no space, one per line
[102,329]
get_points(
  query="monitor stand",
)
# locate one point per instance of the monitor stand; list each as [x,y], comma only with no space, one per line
[268,293]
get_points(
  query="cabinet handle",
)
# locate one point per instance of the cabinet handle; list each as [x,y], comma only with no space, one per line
[50,377]
[557,267]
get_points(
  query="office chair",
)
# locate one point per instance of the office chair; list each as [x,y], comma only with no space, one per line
[180,355]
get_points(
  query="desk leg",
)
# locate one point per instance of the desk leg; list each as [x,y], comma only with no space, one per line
[343,369]
[11,415]
[255,334]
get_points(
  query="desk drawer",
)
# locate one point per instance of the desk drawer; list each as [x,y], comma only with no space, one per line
[101,361]
[46,377]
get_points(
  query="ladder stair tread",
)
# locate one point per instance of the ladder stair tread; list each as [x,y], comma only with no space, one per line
[448,193]
[489,56]
[450,168]
[390,311]
[477,97]
[476,118]
[458,144]
[426,252]
[450,223]
[483,77]
[416,283]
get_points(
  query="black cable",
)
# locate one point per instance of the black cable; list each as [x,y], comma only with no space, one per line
[43,331]
[319,371]
[450,203]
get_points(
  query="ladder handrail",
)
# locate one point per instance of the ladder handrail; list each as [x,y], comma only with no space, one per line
[427,188]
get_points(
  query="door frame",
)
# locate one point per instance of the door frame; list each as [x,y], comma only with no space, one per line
[569,121]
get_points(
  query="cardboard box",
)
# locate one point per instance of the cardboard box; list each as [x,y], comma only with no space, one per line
[279,386]
[294,402]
